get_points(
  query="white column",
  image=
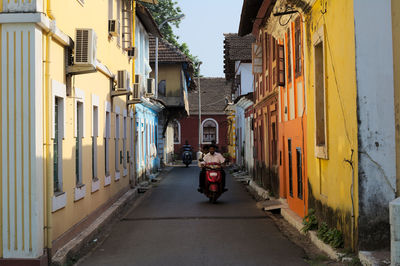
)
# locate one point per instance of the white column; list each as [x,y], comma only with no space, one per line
[22,141]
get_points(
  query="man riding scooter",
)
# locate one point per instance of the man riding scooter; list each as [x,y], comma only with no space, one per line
[187,154]
[210,157]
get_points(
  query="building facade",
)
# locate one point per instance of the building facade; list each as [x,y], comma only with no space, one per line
[214,123]
[175,80]
[238,70]
[68,130]
[330,114]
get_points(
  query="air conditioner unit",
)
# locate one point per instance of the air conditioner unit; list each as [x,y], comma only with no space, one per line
[85,47]
[132,52]
[139,81]
[112,27]
[136,92]
[122,80]
[150,88]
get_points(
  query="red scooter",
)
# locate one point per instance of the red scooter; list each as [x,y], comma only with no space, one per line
[213,183]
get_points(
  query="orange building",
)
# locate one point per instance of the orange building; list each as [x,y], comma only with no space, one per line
[292,121]
[279,96]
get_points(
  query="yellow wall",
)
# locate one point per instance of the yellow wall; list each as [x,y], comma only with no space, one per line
[396,75]
[330,179]
[70,15]
[171,73]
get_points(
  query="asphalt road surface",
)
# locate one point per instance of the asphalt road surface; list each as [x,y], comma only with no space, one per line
[176,225]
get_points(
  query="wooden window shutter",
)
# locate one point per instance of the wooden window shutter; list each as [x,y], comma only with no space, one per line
[273,49]
[297,51]
[281,65]
[289,57]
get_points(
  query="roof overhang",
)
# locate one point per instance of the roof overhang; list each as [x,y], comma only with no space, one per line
[147,20]
[254,14]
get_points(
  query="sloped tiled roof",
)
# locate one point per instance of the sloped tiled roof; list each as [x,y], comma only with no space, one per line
[236,48]
[214,91]
[167,53]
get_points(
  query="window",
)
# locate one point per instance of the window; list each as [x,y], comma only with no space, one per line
[274,143]
[297,51]
[162,88]
[107,144]
[299,174]
[131,140]
[320,101]
[117,155]
[124,146]
[78,143]
[210,131]
[57,143]
[95,134]
[156,135]
[281,65]
[290,167]
[289,56]
[273,49]
[58,132]
[177,132]
[142,143]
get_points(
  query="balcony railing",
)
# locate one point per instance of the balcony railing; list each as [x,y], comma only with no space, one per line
[22,6]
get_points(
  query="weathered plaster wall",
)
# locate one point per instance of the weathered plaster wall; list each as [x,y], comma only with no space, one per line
[396,75]
[376,133]
[330,179]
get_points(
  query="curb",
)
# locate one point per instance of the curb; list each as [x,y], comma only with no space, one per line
[296,221]
[74,246]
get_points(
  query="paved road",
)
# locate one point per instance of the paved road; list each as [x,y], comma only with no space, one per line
[176,225]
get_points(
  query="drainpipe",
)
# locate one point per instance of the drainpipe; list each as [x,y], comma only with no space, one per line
[133,184]
[48,179]
[351,163]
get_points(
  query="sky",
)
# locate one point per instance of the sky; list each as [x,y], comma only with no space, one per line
[203,27]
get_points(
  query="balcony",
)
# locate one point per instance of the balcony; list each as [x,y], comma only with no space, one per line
[22,6]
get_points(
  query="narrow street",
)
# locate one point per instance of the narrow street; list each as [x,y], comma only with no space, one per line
[176,225]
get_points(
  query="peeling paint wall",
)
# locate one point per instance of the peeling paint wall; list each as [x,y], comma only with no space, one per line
[376,133]
[396,70]
[330,178]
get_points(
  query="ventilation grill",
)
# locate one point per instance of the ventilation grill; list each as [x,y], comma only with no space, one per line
[82,46]
[136,91]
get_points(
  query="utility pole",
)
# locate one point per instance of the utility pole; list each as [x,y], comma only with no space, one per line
[198,82]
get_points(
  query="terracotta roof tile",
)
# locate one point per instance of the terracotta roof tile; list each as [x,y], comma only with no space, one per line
[236,48]
[167,52]
[214,91]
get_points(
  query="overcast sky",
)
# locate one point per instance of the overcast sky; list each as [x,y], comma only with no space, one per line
[203,27]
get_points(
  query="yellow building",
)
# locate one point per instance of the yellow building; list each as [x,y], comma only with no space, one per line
[350,125]
[230,112]
[68,133]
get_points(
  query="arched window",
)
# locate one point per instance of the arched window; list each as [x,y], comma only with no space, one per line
[210,130]
[177,132]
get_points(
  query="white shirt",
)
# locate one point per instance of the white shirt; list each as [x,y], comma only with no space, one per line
[209,158]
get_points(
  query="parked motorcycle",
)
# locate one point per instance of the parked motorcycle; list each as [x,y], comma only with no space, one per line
[213,183]
[187,158]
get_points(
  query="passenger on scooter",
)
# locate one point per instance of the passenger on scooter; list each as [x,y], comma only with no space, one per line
[212,157]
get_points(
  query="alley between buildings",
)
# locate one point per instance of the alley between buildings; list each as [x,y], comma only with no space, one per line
[176,225]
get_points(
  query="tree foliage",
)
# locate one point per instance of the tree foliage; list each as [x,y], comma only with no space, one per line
[167,9]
